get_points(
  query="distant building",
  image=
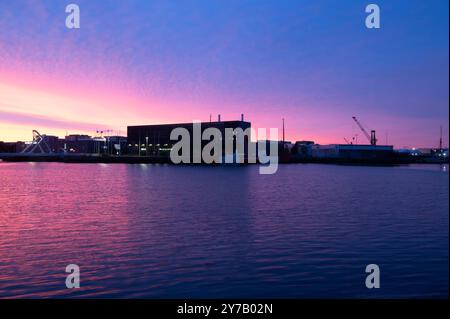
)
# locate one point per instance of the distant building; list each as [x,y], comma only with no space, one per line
[431,151]
[425,155]
[302,149]
[324,151]
[352,151]
[77,137]
[74,143]
[155,139]
[10,147]
[116,145]
[78,143]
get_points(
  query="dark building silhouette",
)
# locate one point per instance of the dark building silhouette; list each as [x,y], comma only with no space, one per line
[11,147]
[153,140]
[78,143]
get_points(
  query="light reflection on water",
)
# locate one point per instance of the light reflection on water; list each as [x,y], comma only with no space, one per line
[166,231]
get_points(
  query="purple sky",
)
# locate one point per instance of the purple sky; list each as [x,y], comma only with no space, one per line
[311,62]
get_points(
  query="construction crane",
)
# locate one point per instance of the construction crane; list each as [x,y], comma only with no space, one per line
[354,140]
[372,137]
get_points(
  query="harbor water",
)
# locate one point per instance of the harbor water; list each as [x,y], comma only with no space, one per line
[164,231]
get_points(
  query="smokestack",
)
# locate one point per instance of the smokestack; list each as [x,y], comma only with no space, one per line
[218,118]
[242,117]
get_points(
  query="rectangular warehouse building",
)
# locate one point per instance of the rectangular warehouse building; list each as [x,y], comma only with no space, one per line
[154,140]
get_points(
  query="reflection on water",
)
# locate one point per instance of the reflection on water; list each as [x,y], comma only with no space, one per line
[167,231]
[429,167]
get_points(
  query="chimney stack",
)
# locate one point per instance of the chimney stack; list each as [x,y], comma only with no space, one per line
[218,118]
[242,117]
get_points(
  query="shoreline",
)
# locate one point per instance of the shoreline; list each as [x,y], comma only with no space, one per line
[131,159]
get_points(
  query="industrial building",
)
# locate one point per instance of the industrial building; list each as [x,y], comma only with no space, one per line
[302,149]
[11,147]
[79,143]
[113,145]
[352,151]
[153,143]
[154,140]
[73,143]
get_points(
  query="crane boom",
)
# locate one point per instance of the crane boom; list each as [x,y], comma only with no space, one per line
[371,137]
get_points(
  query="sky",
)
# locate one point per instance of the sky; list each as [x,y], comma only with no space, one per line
[312,62]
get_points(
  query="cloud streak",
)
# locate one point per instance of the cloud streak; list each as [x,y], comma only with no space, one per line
[37,121]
